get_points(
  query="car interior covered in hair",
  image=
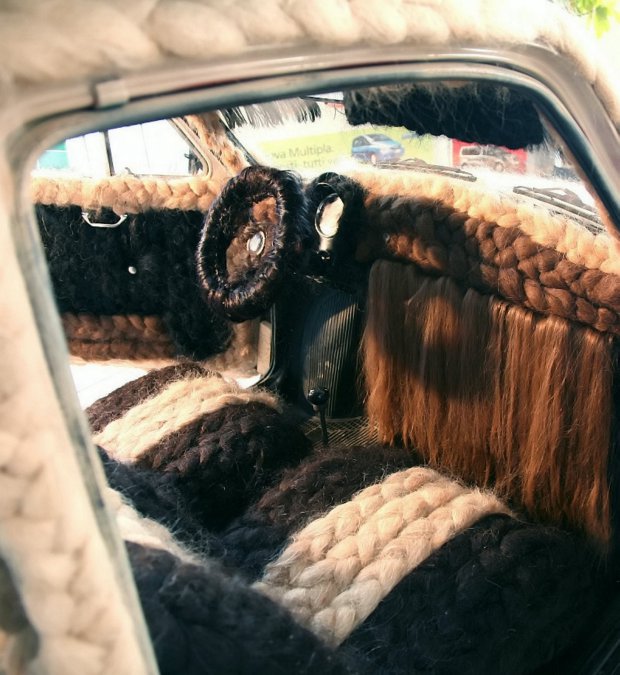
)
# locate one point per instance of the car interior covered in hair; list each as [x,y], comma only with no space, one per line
[309,360]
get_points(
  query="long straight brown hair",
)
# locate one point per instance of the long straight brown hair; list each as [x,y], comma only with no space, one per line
[492,393]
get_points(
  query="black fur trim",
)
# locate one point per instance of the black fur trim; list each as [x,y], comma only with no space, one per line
[479,113]
[160,497]
[502,597]
[272,113]
[247,293]
[89,267]
[226,459]
[120,401]
[314,486]
[340,267]
[203,622]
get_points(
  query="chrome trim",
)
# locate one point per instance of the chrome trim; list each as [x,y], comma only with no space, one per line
[94,223]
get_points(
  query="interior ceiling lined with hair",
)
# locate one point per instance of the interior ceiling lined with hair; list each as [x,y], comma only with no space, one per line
[108,36]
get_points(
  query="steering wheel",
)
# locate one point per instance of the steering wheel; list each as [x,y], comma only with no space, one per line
[254,233]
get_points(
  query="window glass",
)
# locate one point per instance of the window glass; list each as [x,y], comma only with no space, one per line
[153,148]
[330,143]
[327,142]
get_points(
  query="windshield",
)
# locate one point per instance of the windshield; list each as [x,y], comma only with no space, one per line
[326,141]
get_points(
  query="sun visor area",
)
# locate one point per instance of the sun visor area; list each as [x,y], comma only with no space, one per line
[470,112]
[272,113]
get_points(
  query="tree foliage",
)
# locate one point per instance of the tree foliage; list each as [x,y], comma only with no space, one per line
[601,13]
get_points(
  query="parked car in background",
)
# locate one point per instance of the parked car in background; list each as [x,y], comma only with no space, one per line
[376,148]
[487,157]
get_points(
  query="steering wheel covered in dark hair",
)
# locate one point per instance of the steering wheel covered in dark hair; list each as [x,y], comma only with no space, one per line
[254,233]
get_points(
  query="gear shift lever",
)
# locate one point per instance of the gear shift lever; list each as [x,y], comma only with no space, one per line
[318,398]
